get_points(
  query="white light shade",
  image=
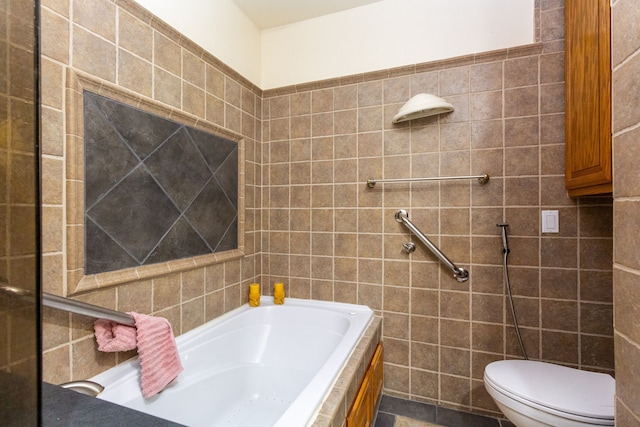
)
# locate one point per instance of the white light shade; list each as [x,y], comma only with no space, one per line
[422,105]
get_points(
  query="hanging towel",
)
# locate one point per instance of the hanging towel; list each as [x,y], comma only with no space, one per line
[112,336]
[157,350]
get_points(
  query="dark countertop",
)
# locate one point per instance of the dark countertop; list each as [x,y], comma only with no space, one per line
[63,407]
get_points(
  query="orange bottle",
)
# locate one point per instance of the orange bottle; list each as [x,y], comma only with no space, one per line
[254,295]
[278,293]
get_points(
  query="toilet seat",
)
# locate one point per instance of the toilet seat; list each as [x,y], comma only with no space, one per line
[566,392]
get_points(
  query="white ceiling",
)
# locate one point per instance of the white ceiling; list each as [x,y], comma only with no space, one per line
[274,13]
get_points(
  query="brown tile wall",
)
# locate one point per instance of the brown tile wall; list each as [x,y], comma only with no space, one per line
[328,236]
[122,44]
[625,53]
[318,228]
[18,201]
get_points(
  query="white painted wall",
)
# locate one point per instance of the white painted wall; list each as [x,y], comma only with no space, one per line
[389,34]
[220,27]
[386,34]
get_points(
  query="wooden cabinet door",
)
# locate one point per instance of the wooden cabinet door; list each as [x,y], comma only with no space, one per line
[376,376]
[363,410]
[360,413]
[588,97]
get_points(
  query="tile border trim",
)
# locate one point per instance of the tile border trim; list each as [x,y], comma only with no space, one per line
[77,281]
[472,59]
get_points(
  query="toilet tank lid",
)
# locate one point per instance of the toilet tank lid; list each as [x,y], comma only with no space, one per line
[569,390]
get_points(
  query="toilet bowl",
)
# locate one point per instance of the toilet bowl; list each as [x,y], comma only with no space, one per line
[536,394]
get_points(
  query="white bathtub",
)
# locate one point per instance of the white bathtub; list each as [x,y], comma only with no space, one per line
[271,365]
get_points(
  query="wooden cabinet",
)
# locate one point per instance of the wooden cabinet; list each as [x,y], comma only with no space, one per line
[376,374]
[363,410]
[361,414]
[588,97]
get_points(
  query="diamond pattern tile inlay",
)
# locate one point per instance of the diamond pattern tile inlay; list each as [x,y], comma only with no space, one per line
[211,214]
[180,183]
[143,131]
[107,153]
[136,214]
[155,190]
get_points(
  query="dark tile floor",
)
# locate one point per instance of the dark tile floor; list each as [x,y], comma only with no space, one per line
[391,406]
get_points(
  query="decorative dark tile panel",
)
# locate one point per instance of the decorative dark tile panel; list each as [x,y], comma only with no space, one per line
[227,177]
[230,239]
[109,156]
[136,214]
[104,254]
[144,132]
[214,149]
[211,214]
[182,241]
[167,165]
[155,190]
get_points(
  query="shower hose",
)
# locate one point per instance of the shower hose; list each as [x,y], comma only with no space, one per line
[505,254]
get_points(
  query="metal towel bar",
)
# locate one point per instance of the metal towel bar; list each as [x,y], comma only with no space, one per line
[460,274]
[482,179]
[86,309]
[72,306]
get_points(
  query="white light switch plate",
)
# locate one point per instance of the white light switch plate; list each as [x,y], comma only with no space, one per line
[550,223]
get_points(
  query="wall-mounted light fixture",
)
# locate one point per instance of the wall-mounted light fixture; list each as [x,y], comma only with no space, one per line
[422,105]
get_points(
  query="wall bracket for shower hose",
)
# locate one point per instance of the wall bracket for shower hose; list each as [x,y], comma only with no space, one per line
[459,273]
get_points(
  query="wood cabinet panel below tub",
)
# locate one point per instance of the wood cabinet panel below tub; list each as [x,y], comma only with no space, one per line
[362,412]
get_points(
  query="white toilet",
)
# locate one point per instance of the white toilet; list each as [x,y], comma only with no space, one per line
[536,394]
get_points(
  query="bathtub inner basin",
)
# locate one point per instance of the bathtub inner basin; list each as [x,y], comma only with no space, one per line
[270,365]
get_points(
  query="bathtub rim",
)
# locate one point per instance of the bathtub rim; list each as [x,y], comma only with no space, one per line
[322,403]
[338,402]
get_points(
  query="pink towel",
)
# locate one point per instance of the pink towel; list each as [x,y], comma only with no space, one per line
[112,336]
[157,350]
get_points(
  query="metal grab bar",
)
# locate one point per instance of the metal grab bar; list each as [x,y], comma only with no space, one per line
[72,306]
[482,179]
[460,274]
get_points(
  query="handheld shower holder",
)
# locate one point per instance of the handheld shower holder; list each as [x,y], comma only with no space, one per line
[505,245]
